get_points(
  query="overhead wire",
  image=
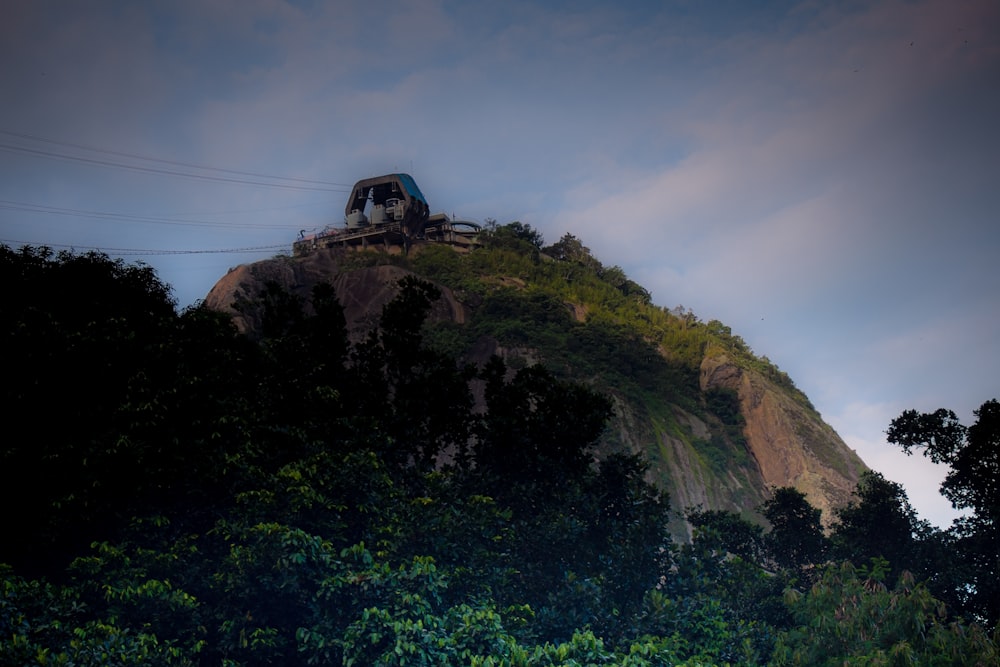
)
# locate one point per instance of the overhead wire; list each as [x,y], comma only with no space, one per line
[168,172]
[292,183]
[208,173]
[106,215]
[172,162]
[149,251]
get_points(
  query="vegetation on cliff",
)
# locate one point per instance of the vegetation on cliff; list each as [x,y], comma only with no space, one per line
[183,494]
[590,323]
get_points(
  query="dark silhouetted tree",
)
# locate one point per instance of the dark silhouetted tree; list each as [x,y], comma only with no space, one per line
[796,539]
[879,522]
[972,455]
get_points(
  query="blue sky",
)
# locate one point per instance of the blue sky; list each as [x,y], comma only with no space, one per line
[824,177]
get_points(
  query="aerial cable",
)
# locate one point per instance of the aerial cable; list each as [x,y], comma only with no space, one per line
[170,172]
[173,162]
[104,215]
[138,251]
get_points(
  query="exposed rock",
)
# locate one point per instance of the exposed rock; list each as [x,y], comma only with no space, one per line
[692,457]
[362,291]
[790,443]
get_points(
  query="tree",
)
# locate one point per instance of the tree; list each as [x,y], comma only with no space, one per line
[537,427]
[84,330]
[880,522]
[615,276]
[571,249]
[729,532]
[972,483]
[628,531]
[796,539]
[417,398]
[972,453]
[502,236]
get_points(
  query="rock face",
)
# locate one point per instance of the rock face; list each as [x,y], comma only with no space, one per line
[790,444]
[693,457]
[362,291]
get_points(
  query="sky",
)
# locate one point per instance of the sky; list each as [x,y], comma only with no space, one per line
[822,177]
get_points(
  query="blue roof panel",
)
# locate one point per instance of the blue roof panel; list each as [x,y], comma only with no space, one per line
[411,187]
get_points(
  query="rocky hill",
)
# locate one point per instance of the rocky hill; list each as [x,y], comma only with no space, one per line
[721,426]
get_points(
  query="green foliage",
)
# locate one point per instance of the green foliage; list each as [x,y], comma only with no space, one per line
[728,532]
[525,300]
[718,586]
[536,427]
[571,249]
[726,447]
[299,446]
[412,633]
[301,499]
[725,404]
[44,624]
[89,335]
[703,630]
[722,336]
[796,540]
[850,616]
[880,523]
[511,235]
[440,264]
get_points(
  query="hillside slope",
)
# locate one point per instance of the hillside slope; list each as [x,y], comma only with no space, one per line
[721,426]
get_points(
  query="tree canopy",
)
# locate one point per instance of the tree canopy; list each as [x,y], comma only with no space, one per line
[972,483]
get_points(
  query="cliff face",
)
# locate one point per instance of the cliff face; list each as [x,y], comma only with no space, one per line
[701,460]
[362,291]
[790,444]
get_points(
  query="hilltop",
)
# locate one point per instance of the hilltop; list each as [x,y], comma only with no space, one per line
[721,425]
